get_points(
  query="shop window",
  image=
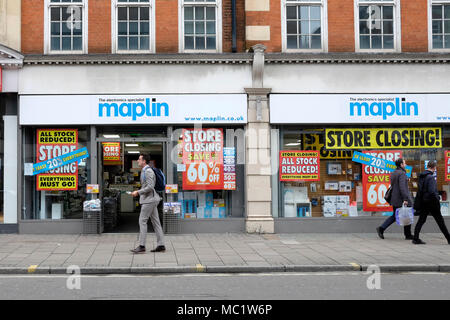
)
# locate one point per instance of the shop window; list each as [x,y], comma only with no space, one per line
[201,25]
[304,25]
[133,25]
[65,25]
[345,188]
[56,194]
[440,25]
[377,25]
[209,173]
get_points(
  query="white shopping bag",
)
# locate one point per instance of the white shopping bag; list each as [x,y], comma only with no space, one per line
[404,216]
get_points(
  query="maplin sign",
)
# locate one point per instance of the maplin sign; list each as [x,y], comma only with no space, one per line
[132,108]
[383,107]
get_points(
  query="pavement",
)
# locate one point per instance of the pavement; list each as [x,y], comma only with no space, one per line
[222,253]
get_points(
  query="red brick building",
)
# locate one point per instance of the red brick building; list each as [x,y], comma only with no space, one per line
[281,25]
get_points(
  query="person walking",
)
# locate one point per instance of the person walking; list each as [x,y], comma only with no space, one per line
[429,203]
[400,196]
[148,199]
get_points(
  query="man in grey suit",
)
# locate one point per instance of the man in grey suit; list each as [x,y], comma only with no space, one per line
[149,199]
[400,196]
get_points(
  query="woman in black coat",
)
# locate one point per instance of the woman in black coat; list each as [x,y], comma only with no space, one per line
[400,196]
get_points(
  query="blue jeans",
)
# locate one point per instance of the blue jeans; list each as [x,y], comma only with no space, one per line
[391,220]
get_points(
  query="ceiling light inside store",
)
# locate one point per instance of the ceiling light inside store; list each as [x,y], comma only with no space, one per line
[134,151]
[111,136]
[292,144]
[131,145]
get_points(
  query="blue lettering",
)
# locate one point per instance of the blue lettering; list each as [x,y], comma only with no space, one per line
[385,109]
[359,108]
[108,108]
[122,113]
[414,105]
[166,109]
[134,110]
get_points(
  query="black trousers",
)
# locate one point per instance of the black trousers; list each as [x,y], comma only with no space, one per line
[433,208]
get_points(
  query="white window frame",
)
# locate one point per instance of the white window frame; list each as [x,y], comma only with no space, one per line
[47,17]
[323,25]
[397,24]
[430,24]
[115,4]
[218,5]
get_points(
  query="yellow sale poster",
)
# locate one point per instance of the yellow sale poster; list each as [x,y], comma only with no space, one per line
[51,143]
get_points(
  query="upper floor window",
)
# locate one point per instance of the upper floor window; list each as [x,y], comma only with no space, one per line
[440,25]
[377,25]
[65,26]
[133,25]
[201,25]
[304,25]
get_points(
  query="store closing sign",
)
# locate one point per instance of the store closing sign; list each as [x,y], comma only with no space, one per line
[447,165]
[299,165]
[51,144]
[383,138]
[376,180]
[313,141]
[203,157]
[111,153]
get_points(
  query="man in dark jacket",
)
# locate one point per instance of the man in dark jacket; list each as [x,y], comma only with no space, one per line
[400,196]
[429,203]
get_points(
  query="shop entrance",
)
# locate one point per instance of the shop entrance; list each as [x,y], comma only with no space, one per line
[120,175]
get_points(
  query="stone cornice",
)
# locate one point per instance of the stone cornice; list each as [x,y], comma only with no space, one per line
[240,58]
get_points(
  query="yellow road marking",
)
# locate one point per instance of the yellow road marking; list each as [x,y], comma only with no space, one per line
[355,265]
[200,268]
[32,268]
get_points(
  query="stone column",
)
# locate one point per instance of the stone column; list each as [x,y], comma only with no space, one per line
[258,160]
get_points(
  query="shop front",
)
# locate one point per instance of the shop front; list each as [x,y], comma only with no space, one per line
[195,139]
[10,63]
[335,153]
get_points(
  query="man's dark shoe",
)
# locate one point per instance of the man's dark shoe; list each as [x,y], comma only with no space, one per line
[139,249]
[380,232]
[159,249]
[418,241]
[409,237]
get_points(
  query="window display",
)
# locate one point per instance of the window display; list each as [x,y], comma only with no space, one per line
[208,176]
[59,193]
[347,188]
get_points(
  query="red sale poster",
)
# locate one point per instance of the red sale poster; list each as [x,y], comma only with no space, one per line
[203,157]
[376,181]
[447,165]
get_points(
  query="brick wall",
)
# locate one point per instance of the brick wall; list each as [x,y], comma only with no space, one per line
[414,26]
[270,18]
[166,24]
[341,33]
[32,26]
[341,27]
[99,29]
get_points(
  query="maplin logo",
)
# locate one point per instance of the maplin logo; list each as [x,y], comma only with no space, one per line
[133,109]
[385,109]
